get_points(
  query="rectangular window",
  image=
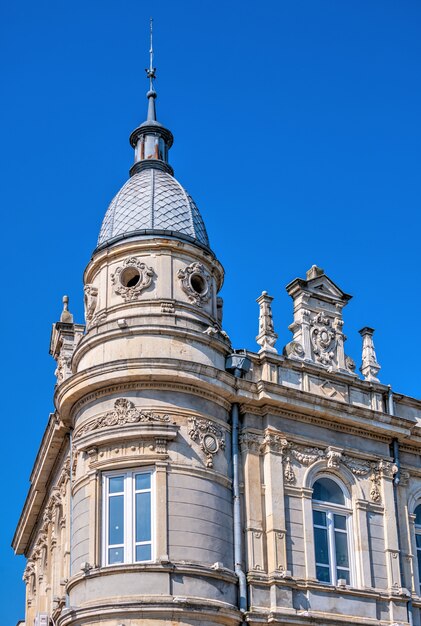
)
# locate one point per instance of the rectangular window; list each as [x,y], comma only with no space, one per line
[127,517]
[331,546]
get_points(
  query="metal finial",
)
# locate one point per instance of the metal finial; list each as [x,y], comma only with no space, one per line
[151,71]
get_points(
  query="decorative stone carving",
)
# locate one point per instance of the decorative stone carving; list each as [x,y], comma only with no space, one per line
[294,349]
[196,283]
[350,364]
[124,412]
[359,467]
[130,279]
[289,474]
[323,339]
[251,442]
[64,367]
[167,307]
[267,336]
[215,331]
[91,300]
[318,326]
[333,457]
[274,442]
[375,494]
[370,367]
[64,339]
[209,436]
[306,456]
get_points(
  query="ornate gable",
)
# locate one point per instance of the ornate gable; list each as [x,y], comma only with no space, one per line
[317,326]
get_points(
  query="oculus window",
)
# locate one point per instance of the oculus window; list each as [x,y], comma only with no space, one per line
[127,517]
[331,523]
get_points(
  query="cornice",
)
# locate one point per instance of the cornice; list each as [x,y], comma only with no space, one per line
[189,335]
[154,245]
[137,374]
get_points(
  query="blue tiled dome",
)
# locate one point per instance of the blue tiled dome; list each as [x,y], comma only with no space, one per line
[152,201]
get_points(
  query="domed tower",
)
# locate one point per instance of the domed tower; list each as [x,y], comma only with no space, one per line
[147,399]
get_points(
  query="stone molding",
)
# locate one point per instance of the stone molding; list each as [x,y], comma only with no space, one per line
[138,386]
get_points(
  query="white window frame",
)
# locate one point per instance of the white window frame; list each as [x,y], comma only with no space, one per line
[129,544]
[331,509]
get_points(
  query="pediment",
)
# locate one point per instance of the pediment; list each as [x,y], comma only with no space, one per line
[323,287]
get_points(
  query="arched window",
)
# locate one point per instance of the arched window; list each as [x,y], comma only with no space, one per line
[331,521]
[417,513]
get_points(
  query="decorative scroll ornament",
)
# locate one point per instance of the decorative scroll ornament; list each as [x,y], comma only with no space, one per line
[195,282]
[132,278]
[323,339]
[91,300]
[209,436]
[124,412]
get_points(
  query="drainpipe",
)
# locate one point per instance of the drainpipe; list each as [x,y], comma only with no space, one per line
[396,481]
[238,364]
[70,513]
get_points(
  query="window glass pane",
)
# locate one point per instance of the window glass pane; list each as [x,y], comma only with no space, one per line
[319,518]
[143,553]
[116,520]
[343,573]
[143,481]
[418,515]
[116,484]
[322,574]
[339,522]
[418,539]
[320,546]
[326,490]
[143,516]
[115,555]
[341,547]
[419,563]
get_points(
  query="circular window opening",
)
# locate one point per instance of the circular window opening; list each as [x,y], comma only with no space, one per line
[198,284]
[130,277]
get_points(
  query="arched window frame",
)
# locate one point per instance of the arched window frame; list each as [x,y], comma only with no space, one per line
[330,510]
[417,529]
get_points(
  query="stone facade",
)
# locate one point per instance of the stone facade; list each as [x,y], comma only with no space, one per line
[143,390]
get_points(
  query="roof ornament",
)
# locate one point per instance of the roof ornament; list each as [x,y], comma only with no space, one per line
[66,316]
[151,74]
[370,366]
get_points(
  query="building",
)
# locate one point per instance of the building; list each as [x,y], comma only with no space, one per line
[180,481]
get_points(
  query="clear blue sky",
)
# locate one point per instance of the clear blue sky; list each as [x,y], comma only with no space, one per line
[297,132]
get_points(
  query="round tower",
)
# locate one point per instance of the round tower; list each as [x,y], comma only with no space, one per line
[148,402]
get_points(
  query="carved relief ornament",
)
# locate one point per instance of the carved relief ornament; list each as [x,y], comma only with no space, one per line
[91,300]
[323,339]
[208,435]
[131,278]
[124,412]
[334,457]
[195,282]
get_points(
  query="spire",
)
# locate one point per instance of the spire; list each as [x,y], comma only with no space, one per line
[151,140]
[151,74]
